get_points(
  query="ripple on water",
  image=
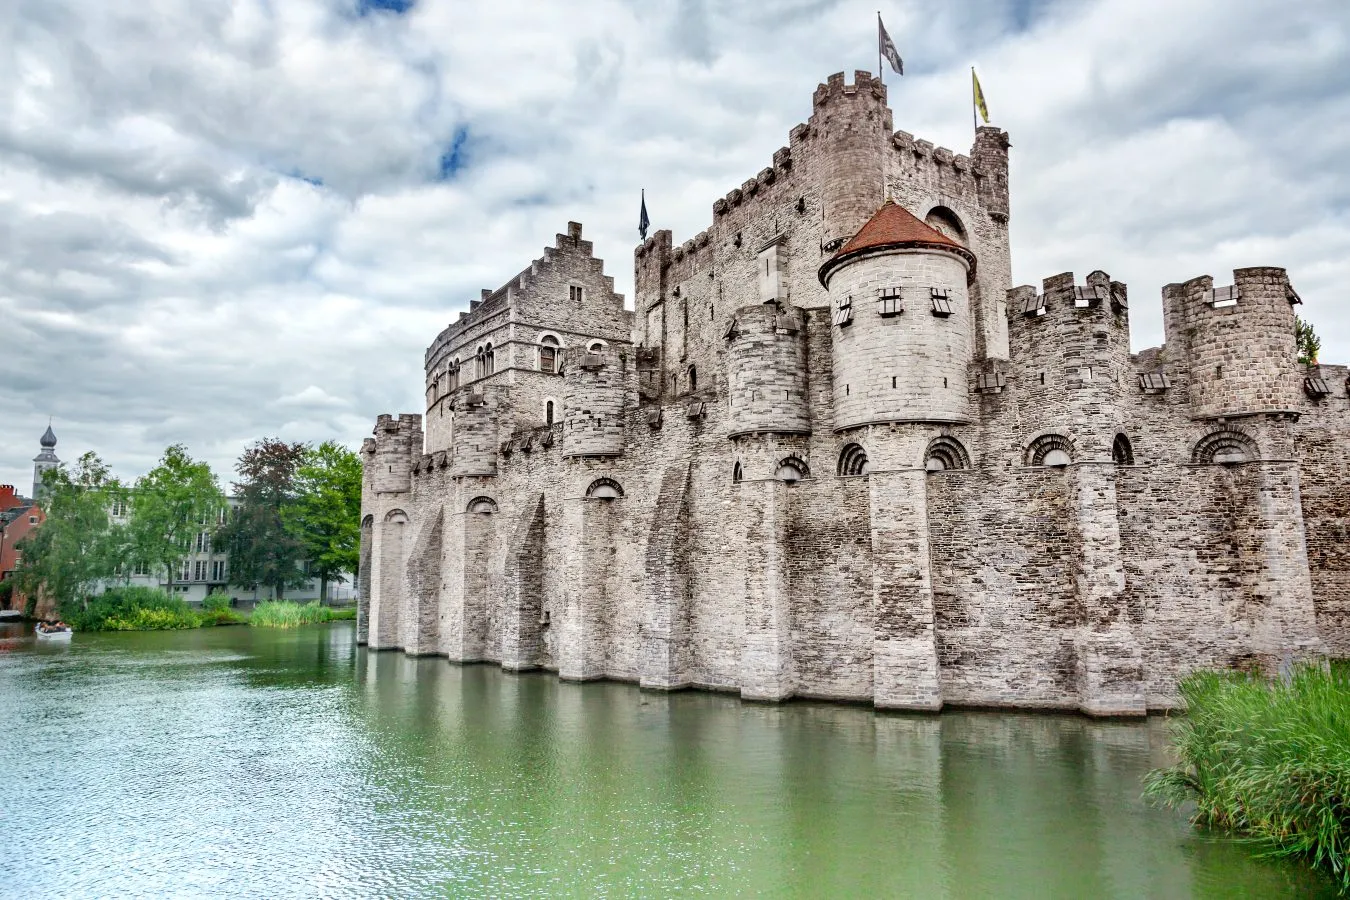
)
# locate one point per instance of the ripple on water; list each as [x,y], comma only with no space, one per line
[245,762]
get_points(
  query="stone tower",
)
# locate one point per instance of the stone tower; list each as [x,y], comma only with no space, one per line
[44,461]
[850,126]
[902,323]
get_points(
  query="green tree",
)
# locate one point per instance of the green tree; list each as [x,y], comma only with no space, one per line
[326,514]
[79,544]
[262,550]
[171,505]
[1307,341]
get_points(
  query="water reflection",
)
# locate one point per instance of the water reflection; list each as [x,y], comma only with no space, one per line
[242,761]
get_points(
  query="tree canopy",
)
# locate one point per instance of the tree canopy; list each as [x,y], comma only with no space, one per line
[1309,344]
[262,549]
[170,506]
[326,512]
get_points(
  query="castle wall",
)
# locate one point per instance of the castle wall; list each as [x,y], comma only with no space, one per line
[1047,530]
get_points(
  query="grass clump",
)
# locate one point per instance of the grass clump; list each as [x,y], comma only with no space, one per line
[216,610]
[133,609]
[285,614]
[1268,760]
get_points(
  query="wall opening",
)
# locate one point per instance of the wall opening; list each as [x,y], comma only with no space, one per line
[853,460]
[1122,454]
[945,454]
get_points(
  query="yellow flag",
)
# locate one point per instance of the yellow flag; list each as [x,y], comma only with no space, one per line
[979,96]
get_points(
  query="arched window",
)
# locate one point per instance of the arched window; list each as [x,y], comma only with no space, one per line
[396,517]
[853,460]
[736,473]
[792,470]
[548,412]
[604,489]
[489,359]
[674,385]
[1122,454]
[548,354]
[482,506]
[944,221]
[945,454]
[453,381]
[596,346]
[368,522]
[1050,450]
[693,379]
[1226,447]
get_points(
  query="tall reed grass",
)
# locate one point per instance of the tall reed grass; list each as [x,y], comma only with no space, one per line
[1268,760]
[285,614]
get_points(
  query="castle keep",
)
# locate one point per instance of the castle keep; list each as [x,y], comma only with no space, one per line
[831,454]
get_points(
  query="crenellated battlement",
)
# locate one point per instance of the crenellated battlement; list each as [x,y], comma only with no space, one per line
[834,89]
[388,456]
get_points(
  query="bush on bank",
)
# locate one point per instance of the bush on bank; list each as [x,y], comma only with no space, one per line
[1269,760]
[133,609]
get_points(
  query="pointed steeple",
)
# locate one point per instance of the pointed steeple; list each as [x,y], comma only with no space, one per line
[48,439]
[46,459]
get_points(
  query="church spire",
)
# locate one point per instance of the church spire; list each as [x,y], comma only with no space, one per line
[45,460]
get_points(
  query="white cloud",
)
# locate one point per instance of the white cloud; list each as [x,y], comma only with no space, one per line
[223,222]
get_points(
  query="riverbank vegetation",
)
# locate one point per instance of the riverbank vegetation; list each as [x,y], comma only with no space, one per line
[295,516]
[1267,760]
[284,614]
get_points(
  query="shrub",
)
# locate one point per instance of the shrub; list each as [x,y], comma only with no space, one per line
[216,601]
[285,614]
[131,608]
[1268,760]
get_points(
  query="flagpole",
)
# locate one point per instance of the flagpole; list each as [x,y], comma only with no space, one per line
[880,77]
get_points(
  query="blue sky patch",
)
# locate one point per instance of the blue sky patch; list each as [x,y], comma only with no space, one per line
[398,7]
[455,156]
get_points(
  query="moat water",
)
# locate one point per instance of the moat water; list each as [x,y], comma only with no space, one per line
[251,762]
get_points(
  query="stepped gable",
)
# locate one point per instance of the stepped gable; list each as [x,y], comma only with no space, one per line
[893,226]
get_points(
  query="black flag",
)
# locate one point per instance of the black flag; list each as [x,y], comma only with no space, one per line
[886,48]
[643,221]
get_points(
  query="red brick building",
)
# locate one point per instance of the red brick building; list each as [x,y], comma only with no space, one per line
[18,516]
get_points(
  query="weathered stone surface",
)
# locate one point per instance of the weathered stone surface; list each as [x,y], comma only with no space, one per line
[1064,538]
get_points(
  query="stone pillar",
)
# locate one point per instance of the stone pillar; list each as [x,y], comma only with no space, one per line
[464,610]
[420,623]
[583,638]
[766,655]
[665,629]
[522,638]
[905,674]
[1110,668]
[388,575]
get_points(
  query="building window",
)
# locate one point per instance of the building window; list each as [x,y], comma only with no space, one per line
[489,360]
[185,573]
[1034,305]
[1225,448]
[1222,297]
[203,542]
[452,376]
[548,354]
[199,570]
[575,293]
[482,506]
[853,460]
[693,379]
[596,347]
[945,454]
[792,470]
[942,302]
[548,412]
[889,303]
[843,313]
[604,489]
[1153,382]
[1050,450]
[674,384]
[737,473]
[1122,454]
[119,509]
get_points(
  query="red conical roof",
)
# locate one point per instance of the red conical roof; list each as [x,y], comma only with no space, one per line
[894,226]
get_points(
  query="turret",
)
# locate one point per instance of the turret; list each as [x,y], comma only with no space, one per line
[388,457]
[850,125]
[1238,340]
[766,370]
[474,432]
[594,385]
[902,325]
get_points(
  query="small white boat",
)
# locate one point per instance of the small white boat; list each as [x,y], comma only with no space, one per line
[10,615]
[56,634]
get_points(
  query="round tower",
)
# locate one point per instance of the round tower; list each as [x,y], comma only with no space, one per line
[473,434]
[593,399]
[902,325]
[766,371]
[1240,338]
[850,125]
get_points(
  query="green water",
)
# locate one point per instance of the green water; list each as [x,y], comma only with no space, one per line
[249,762]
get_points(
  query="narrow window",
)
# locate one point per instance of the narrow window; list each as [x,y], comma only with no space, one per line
[548,354]
[490,360]
[575,293]
[892,381]
[736,474]
[843,314]
[548,413]
[889,303]
[942,303]
[693,379]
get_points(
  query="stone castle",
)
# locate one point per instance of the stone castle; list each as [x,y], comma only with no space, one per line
[831,454]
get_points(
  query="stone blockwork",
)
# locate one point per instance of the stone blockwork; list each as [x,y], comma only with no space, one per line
[982,501]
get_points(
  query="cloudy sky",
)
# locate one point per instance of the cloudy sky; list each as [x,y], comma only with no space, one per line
[220,221]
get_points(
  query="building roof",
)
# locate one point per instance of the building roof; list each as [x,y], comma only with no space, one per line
[893,226]
[48,438]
